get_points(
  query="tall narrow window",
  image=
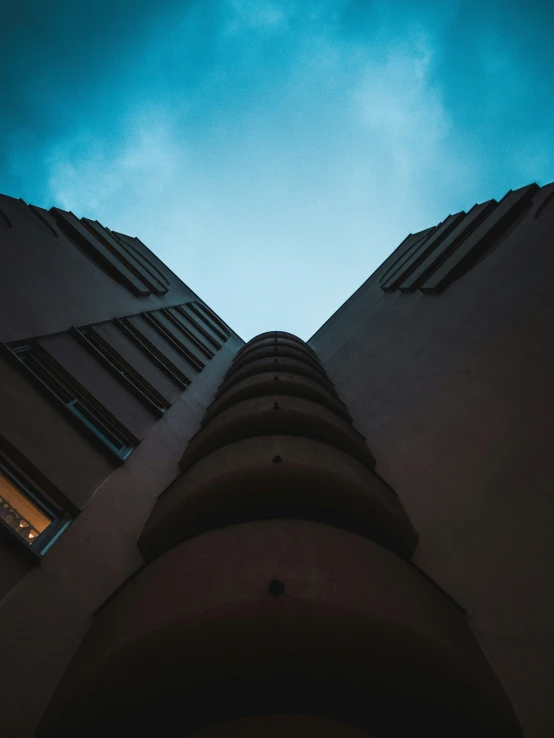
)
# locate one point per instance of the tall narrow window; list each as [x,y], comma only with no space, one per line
[26,511]
[118,366]
[90,414]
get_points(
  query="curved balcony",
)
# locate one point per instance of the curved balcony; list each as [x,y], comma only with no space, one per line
[291,366]
[281,415]
[282,383]
[282,342]
[275,352]
[280,617]
[276,334]
[278,477]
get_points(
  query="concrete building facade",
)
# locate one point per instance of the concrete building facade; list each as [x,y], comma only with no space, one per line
[351,536]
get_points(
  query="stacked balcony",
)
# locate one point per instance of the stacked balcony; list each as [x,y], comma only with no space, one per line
[279,589]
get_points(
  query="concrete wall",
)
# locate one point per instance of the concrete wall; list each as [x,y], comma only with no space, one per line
[49,284]
[278,580]
[455,395]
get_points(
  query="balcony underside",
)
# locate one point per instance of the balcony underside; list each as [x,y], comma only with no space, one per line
[353,633]
[278,477]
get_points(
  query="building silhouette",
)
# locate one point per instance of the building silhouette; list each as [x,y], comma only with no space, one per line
[350,537]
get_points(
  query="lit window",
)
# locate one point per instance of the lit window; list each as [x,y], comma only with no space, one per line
[27,511]
[67,392]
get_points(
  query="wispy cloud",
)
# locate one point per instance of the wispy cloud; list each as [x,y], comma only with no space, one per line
[277,147]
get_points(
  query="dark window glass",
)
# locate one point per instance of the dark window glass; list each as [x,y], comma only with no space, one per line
[27,511]
[92,416]
[137,384]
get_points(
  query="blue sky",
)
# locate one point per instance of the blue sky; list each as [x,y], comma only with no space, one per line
[274,152]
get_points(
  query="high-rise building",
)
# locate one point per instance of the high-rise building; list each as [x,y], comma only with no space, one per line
[341,538]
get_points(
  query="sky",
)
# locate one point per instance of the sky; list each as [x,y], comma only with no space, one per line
[274,152]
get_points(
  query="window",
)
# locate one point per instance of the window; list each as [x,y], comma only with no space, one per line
[26,511]
[136,384]
[84,409]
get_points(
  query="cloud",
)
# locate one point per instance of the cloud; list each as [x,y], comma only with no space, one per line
[275,147]
[398,103]
[87,174]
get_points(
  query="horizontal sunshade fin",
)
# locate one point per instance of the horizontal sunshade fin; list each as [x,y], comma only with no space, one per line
[200,326]
[140,358]
[413,259]
[90,416]
[191,328]
[175,323]
[474,218]
[211,318]
[480,239]
[409,244]
[126,374]
[136,331]
[98,251]
[154,273]
[154,263]
[125,255]
[99,381]
[168,330]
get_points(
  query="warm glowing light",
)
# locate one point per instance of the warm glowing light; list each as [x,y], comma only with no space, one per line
[17,511]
